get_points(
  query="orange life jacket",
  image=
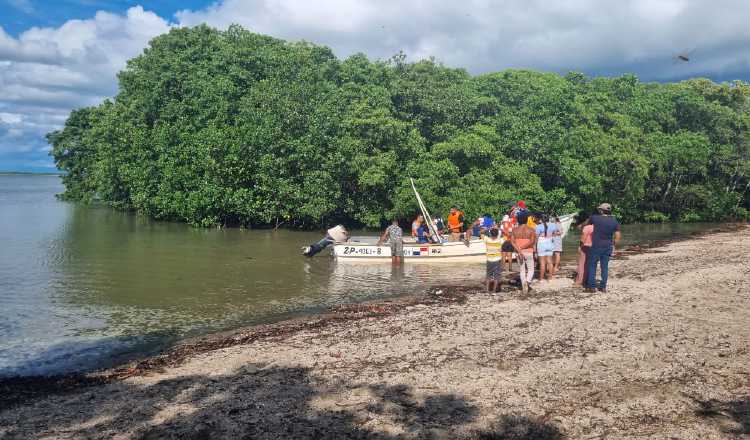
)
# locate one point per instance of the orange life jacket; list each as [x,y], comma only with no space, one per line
[455,223]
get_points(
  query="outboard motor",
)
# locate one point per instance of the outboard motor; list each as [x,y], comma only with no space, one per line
[337,233]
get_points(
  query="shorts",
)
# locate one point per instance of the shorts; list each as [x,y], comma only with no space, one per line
[557,244]
[507,246]
[544,248]
[397,249]
[494,270]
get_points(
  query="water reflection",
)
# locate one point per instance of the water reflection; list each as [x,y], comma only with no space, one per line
[151,275]
[83,285]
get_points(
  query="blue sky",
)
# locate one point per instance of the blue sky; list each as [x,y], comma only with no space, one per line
[22,143]
[64,54]
[19,15]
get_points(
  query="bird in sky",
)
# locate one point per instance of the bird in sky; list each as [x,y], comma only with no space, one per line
[684,56]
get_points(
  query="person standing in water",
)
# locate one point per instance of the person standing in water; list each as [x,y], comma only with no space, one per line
[605,236]
[394,235]
[523,238]
[494,265]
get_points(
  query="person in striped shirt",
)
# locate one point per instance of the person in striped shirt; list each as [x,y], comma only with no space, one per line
[494,266]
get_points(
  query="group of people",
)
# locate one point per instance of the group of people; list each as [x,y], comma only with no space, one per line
[533,237]
[453,229]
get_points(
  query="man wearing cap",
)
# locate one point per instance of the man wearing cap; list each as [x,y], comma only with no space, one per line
[519,208]
[605,236]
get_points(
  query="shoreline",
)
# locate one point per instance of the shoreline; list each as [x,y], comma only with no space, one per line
[664,353]
[15,390]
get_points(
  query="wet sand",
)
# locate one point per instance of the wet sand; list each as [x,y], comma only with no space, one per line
[664,354]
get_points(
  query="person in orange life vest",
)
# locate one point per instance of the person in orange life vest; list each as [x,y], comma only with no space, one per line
[455,223]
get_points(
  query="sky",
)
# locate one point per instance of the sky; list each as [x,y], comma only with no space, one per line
[57,55]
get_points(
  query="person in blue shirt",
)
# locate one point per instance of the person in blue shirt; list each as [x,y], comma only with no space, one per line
[476,229]
[487,222]
[603,240]
[423,233]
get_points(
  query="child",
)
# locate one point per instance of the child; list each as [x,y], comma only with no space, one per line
[494,265]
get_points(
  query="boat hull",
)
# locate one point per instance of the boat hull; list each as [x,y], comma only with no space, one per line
[362,250]
[476,249]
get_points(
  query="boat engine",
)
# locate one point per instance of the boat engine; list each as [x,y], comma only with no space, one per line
[336,234]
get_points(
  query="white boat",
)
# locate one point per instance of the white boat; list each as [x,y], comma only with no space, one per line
[367,249]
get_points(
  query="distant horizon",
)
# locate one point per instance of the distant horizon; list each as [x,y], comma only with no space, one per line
[46,173]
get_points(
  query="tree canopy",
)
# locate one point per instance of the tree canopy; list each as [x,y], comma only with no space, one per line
[235,128]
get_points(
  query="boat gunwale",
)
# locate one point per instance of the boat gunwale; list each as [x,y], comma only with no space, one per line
[406,244]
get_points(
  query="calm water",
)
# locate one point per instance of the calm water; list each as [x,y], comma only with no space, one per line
[83,287]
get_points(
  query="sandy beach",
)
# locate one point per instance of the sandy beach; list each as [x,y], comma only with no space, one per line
[664,354]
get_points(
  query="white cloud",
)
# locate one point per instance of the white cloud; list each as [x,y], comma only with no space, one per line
[10,118]
[481,35]
[45,72]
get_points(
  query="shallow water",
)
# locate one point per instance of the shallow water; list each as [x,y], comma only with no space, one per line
[83,287]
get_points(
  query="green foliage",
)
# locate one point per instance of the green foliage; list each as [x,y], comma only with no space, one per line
[742,214]
[234,128]
[690,217]
[655,217]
